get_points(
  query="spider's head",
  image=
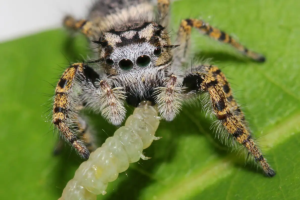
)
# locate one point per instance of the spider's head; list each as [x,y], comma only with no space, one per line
[135,47]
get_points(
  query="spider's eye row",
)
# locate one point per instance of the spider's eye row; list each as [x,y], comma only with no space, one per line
[157,51]
[143,61]
[109,61]
[126,64]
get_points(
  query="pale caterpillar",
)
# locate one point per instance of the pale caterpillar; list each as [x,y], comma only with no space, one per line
[114,156]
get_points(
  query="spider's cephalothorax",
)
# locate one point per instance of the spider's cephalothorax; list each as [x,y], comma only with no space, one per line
[135,61]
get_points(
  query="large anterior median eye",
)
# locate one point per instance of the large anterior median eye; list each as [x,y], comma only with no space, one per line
[143,61]
[125,64]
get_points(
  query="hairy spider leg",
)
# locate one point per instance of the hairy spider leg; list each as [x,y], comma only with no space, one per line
[163,7]
[62,114]
[204,28]
[210,79]
[83,132]
[85,26]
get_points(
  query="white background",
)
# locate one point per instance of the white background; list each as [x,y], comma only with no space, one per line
[24,17]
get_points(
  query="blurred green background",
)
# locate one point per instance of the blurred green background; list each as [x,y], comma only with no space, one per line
[188,162]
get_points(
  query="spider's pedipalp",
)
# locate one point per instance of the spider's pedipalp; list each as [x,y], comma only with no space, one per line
[112,103]
[227,110]
[169,98]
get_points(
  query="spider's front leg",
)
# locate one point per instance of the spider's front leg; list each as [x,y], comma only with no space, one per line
[64,110]
[99,97]
[210,79]
[83,132]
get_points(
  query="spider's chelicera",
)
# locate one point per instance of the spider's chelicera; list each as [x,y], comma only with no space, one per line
[136,61]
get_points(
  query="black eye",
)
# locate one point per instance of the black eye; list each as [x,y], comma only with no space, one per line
[126,64]
[143,61]
[157,51]
[109,61]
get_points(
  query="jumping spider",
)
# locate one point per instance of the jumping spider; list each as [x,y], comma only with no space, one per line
[137,61]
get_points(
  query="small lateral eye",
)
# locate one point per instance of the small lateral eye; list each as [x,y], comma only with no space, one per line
[126,64]
[109,61]
[157,51]
[143,61]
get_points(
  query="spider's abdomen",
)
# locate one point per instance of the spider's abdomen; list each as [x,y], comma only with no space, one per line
[103,8]
[117,13]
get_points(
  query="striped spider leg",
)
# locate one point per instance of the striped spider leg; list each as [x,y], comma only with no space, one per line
[83,132]
[210,79]
[80,83]
[184,33]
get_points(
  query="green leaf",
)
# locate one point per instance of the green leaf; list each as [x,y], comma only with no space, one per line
[188,162]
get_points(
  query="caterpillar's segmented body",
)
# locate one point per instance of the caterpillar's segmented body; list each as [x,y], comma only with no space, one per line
[114,156]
